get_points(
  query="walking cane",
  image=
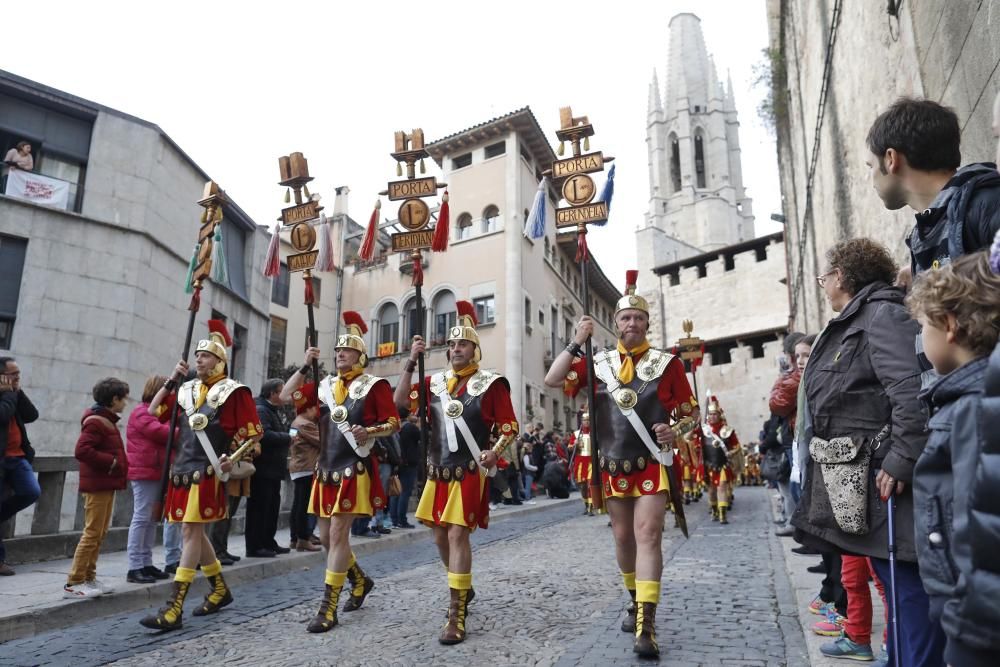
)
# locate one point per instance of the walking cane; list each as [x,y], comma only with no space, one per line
[893,594]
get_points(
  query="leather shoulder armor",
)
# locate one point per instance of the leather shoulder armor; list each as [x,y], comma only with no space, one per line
[725,432]
[653,364]
[439,383]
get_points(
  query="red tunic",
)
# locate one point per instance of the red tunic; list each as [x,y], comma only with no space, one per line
[732,443]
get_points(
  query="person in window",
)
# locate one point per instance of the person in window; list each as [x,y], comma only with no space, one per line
[20,157]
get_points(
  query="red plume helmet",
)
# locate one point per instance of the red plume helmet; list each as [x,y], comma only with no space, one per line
[631,299]
[465,308]
[353,317]
[218,340]
[356,329]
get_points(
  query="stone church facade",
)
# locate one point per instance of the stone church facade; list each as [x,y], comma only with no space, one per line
[698,257]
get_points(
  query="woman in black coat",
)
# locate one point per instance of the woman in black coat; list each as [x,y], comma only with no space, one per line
[862,377]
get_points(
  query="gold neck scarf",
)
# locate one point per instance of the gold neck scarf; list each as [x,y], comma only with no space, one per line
[340,386]
[204,387]
[627,372]
[454,377]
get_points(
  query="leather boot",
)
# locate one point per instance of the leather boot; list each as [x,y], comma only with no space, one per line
[715,512]
[628,625]
[306,545]
[326,617]
[645,633]
[217,598]
[169,617]
[361,586]
[468,598]
[722,515]
[454,629]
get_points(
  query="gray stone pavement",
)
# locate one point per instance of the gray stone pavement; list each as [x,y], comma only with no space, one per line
[548,593]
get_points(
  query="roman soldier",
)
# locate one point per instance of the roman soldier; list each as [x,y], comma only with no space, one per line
[355,409]
[642,393]
[219,417]
[582,466]
[686,450]
[721,449]
[467,407]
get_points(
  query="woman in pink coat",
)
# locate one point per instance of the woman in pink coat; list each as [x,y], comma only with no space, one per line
[146,446]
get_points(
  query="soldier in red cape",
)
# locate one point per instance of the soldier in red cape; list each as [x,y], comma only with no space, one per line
[219,415]
[641,393]
[583,462]
[721,449]
[355,409]
[466,407]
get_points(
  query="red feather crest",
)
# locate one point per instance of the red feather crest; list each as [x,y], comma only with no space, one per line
[219,327]
[352,317]
[631,278]
[466,308]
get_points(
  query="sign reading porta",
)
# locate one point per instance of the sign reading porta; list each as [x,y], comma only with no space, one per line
[418,187]
[301,213]
[585,164]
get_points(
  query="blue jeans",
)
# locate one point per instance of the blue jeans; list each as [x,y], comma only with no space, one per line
[399,504]
[921,641]
[142,530]
[529,478]
[381,517]
[17,474]
[172,542]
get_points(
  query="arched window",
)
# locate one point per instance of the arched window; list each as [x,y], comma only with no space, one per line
[412,328]
[388,324]
[699,158]
[444,316]
[491,219]
[464,226]
[675,164]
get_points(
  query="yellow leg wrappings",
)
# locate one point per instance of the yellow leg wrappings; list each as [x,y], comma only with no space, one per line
[647,591]
[629,579]
[184,574]
[213,569]
[460,582]
[351,562]
[335,578]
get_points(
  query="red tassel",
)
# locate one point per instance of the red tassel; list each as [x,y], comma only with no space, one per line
[581,248]
[418,271]
[440,243]
[272,261]
[309,298]
[195,300]
[367,250]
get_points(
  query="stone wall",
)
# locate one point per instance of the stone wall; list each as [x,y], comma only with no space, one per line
[945,51]
[102,291]
[748,298]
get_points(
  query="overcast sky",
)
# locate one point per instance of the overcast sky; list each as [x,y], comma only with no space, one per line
[237,84]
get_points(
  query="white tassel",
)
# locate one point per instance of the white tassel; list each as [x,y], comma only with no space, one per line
[324,260]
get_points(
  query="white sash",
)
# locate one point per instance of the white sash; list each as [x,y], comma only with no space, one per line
[205,443]
[449,428]
[663,456]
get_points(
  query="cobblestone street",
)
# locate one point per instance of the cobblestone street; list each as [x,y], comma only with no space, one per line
[547,593]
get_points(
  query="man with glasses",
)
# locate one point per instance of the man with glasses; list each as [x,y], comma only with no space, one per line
[16,410]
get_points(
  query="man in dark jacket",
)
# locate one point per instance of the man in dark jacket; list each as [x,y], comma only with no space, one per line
[412,456]
[16,410]
[272,466]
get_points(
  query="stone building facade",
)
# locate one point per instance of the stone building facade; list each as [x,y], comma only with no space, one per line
[697,254]
[527,293]
[835,67]
[98,290]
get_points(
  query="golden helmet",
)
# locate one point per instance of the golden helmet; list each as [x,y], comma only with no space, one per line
[217,342]
[631,299]
[465,327]
[354,338]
